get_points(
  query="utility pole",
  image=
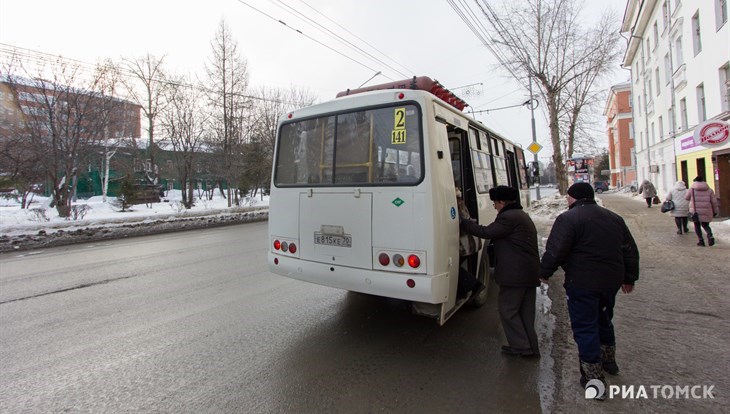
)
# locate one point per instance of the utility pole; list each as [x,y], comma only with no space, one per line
[534,139]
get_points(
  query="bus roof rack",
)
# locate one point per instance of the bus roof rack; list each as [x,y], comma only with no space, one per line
[423,83]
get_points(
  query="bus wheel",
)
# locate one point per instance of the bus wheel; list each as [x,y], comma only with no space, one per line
[483,276]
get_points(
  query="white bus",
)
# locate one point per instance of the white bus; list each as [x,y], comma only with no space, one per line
[363,193]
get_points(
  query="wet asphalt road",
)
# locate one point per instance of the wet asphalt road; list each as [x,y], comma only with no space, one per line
[193,322]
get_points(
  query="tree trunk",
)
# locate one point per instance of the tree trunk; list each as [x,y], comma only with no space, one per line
[560,172]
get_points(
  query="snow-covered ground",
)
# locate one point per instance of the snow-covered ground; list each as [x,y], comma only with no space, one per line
[15,221]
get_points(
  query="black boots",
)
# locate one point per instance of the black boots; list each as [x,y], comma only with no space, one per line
[608,359]
[710,240]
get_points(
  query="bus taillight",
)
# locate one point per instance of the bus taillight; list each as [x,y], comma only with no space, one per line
[277,245]
[292,248]
[384,259]
[414,261]
[398,260]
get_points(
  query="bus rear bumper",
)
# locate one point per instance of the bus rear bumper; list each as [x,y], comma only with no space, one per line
[426,288]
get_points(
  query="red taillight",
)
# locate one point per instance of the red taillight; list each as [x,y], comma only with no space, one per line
[276,260]
[398,260]
[414,261]
[401,95]
[277,245]
[290,116]
[383,259]
[292,248]
[411,283]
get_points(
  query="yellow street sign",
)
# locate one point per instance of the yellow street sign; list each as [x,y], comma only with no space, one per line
[534,148]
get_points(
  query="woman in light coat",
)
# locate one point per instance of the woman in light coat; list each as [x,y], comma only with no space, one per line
[647,191]
[681,206]
[703,202]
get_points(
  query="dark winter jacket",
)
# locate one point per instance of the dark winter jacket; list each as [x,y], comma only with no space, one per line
[594,247]
[515,246]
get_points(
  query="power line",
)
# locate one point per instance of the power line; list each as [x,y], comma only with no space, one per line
[357,37]
[333,35]
[43,58]
[307,36]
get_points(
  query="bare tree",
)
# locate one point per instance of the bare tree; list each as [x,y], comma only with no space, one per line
[227,73]
[185,123]
[147,89]
[270,105]
[64,118]
[544,40]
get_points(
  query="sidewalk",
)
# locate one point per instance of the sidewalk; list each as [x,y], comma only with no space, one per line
[673,330]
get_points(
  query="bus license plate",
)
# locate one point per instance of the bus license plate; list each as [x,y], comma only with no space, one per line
[333,240]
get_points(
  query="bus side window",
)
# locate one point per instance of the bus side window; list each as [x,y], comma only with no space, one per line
[455,150]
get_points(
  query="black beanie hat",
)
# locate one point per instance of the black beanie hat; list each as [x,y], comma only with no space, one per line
[580,191]
[699,179]
[504,193]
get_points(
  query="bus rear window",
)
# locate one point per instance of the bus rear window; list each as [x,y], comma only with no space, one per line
[370,147]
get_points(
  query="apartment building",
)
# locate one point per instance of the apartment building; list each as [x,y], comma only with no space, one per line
[619,129]
[679,55]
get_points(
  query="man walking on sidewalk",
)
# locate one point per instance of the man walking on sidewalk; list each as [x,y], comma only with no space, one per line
[596,250]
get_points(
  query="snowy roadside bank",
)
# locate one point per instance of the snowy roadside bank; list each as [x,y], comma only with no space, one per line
[71,232]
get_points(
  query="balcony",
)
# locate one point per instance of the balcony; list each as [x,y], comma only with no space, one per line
[680,77]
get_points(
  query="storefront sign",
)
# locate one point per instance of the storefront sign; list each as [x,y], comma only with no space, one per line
[712,133]
[687,143]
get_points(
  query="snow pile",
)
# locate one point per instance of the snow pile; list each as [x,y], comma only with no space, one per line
[40,225]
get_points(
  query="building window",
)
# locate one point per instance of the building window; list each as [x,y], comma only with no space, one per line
[661,129]
[720,13]
[653,135]
[647,84]
[665,14]
[701,109]
[631,130]
[641,140]
[683,113]
[658,83]
[670,117]
[667,68]
[678,54]
[656,35]
[725,87]
[696,38]
[638,105]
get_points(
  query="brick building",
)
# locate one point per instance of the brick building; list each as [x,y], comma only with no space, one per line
[619,129]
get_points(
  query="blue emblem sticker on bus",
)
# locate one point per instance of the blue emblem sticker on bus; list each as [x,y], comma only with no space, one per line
[453,213]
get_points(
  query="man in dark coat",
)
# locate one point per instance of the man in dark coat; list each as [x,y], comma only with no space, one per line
[596,250]
[516,269]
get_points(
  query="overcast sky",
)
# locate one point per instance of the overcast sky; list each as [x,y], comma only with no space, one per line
[419,37]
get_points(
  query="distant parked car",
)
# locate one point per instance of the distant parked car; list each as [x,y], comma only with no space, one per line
[600,186]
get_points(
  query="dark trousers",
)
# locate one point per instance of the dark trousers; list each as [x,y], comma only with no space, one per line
[517,312]
[648,201]
[700,226]
[681,223]
[590,317]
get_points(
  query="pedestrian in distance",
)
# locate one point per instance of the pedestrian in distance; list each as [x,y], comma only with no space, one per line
[596,250]
[516,269]
[702,201]
[647,191]
[681,206]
